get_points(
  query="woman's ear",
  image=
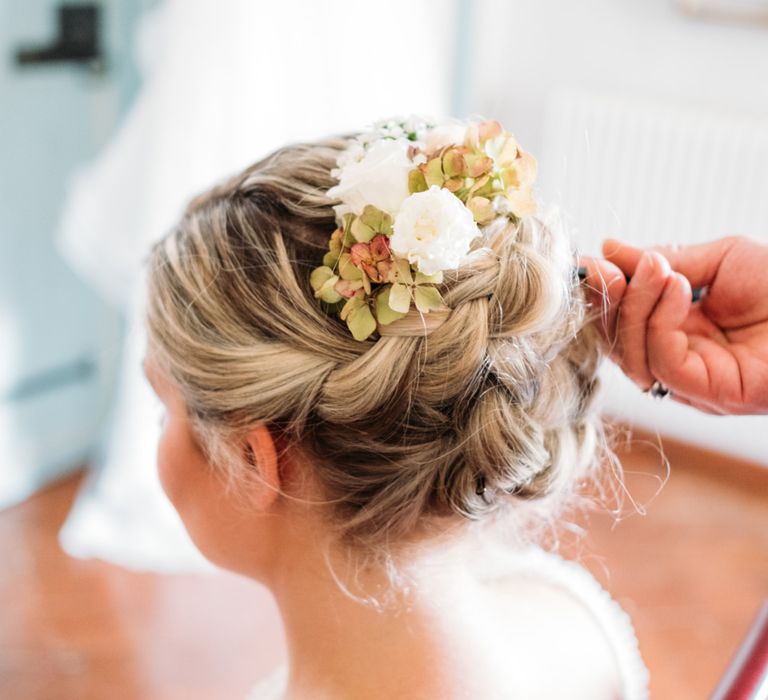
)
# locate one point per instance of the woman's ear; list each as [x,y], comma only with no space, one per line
[261,452]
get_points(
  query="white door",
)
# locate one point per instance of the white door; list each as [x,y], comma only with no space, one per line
[58,341]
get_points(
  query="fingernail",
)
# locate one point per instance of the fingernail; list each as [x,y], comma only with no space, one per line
[660,263]
[682,282]
[676,285]
[665,267]
[646,267]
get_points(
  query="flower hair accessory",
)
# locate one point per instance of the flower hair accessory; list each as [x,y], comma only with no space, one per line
[413,195]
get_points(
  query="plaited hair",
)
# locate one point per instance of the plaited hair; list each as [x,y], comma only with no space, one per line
[486,412]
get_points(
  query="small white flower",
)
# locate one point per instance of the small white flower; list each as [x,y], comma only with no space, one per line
[401,127]
[376,175]
[434,230]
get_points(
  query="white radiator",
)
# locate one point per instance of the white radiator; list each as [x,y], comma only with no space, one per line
[651,172]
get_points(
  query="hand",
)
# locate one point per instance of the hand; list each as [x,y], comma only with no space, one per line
[713,355]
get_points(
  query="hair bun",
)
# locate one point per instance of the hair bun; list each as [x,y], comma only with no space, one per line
[495,388]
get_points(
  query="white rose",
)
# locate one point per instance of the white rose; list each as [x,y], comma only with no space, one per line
[444,135]
[434,230]
[379,176]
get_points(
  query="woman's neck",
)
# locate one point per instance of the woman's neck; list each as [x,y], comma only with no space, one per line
[427,643]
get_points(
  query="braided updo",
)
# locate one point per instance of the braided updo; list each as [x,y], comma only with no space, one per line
[488,411]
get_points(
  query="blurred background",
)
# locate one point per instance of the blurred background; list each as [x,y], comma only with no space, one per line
[649,119]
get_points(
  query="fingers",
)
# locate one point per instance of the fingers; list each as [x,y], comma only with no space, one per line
[669,356]
[604,286]
[699,263]
[640,299]
[691,365]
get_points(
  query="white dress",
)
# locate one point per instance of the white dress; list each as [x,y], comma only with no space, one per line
[551,568]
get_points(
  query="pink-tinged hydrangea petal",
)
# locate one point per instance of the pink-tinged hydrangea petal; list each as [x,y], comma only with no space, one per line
[348,288]
[372,272]
[380,248]
[489,129]
[361,253]
[385,269]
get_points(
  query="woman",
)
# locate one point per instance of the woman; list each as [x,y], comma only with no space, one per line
[386,472]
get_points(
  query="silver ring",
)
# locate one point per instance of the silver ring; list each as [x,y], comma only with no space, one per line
[658,390]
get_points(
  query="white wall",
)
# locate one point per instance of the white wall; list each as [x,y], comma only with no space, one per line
[523,49]
[527,54]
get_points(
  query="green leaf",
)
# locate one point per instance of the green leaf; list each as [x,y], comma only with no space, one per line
[360,231]
[454,164]
[347,269]
[347,239]
[330,259]
[427,298]
[403,271]
[361,322]
[400,298]
[384,312]
[416,182]
[328,292]
[334,242]
[352,304]
[434,278]
[376,219]
[433,173]
[319,275]
[333,309]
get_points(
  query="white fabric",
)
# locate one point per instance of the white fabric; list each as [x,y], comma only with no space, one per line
[551,568]
[223,84]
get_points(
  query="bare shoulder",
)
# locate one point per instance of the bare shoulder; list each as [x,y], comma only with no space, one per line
[559,638]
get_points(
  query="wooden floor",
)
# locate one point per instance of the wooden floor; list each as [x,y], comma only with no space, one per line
[691,573]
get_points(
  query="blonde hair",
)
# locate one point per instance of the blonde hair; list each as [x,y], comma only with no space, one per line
[488,410]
